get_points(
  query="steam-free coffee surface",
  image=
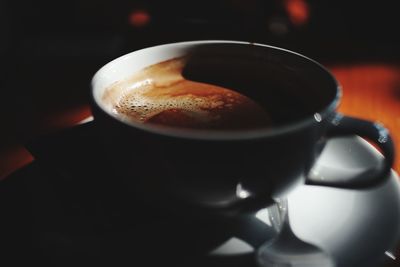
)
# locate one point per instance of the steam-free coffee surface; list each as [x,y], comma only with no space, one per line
[159,94]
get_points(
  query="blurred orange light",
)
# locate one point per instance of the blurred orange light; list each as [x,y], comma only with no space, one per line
[298,11]
[139,18]
[13,158]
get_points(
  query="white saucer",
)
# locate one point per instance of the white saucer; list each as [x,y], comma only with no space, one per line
[358,228]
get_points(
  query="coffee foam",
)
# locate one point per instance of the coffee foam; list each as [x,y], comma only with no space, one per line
[159,94]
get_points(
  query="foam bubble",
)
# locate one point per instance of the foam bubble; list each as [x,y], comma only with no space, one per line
[143,103]
[166,93]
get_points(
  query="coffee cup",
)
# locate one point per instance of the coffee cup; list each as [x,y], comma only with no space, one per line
[285,111]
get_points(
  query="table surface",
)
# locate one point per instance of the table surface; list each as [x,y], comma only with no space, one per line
[370,91]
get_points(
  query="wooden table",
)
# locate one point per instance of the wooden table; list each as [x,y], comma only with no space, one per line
[370,91]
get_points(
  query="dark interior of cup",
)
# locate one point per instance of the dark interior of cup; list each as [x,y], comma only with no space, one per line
[289,86]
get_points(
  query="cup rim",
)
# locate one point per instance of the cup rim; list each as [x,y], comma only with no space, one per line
[201,134]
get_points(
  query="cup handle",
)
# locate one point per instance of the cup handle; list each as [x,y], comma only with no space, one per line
[342,125]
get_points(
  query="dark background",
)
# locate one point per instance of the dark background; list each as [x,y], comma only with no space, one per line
[50,49]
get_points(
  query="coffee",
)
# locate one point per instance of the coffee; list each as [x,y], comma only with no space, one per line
[159,94]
